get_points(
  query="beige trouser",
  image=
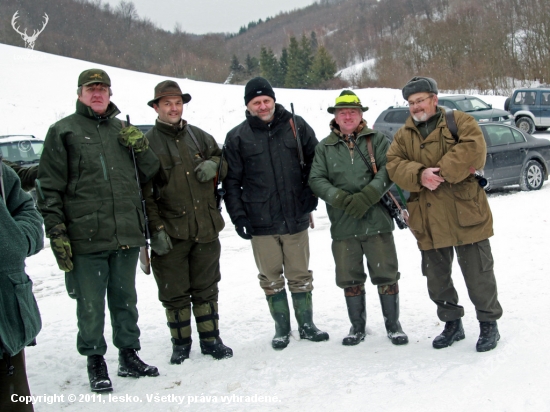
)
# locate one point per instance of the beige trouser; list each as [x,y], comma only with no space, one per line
[276,255]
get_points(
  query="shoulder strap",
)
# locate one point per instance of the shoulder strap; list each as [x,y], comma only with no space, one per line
[195,140]
[370,151]
[451,124]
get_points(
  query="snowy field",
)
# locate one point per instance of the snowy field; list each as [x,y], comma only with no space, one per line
[38,89]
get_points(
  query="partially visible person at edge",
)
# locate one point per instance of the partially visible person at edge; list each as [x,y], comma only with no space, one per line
[27,175]
[89,198]
[21,235]
[269,201]
[448,209]
[185,224]
[360,225]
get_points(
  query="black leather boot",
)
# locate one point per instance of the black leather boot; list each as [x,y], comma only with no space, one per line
[278,307]
[179,322]
[206,317]
[390,311]
[98,375]
[216,349]
[488,336]
[180,352]
[453,332]
[303,309]
[129,364]
[357,313]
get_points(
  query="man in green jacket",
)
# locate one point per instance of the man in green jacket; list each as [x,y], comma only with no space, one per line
[185,224]
[448,209]
[89,198]
[360,225]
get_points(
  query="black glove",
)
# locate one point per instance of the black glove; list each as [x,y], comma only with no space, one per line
[241,225]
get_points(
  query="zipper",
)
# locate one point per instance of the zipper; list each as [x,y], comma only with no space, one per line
[103,165]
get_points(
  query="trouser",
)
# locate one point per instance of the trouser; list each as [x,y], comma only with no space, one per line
[381,260]
[190,272]
[16,384]
[476,263]
[276,255]
[113,273]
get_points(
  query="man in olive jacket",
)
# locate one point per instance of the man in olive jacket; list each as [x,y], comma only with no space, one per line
[448,209]
[269,201]
[360,225]
[185,224]
[21,235]
[89,198]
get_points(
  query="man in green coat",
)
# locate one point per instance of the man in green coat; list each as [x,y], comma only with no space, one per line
[185,224]
[89,198]
[360,225]
[448,209]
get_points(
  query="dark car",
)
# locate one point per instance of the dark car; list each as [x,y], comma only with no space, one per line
[514,157]
[476,108]
[531,108]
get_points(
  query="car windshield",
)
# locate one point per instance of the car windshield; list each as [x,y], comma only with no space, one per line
[22,152]
[471,105]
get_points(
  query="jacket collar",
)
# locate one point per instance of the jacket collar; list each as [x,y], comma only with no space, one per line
[87,111]
[170,129]
[280,116]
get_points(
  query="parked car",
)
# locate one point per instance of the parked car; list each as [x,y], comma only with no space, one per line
[25,150]
[476,108]
[531,107]
[144,128]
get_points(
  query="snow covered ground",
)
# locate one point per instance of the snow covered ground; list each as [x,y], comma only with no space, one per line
[38,89]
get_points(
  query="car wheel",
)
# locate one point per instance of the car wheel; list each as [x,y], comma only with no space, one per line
[525,124]
[532,176]
[507,104]
[541,129]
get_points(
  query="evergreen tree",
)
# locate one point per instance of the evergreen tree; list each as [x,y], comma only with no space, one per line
[294,75]
[306,61]
[252,65]
[313,41]
[235,65]
[283,67]
[323,67]
[269,67]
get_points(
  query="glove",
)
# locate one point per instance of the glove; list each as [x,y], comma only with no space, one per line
[131,136]
[241,224]
[362,201]
[161,243]
[341,200]
[61,247]
[206,171]
[309,201]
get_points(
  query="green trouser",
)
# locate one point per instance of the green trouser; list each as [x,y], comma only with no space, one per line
[16,384]
[111,272]
[381,260]
[476,263]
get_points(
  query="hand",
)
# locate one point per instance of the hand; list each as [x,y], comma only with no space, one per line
[309,201]
[61,247]
[430,179]
[131,136]
[241,225]
[206,171]
[362,201]
[341,200]
[161,242]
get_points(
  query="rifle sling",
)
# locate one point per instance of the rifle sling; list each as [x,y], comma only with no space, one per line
[196,141]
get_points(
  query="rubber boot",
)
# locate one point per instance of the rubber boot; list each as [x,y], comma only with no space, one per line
[98,375]
[303,309]
[453,332]
[488,336]
[389,300]
[179,322]
[357,312]
[129,364]
[206,317]
[278,307]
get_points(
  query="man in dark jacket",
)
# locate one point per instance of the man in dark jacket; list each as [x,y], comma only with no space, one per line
[185,224]
[360,225]
[269,201]
[21,235]
[89,198]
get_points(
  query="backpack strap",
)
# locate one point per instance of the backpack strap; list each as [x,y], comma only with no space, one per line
[451,124]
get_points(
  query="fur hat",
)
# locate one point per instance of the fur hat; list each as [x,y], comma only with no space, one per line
[418,85]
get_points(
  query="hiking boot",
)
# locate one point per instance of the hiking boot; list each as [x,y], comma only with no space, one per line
[278,307]
[453,332]
[488,336]
[216,349]
[357,315]
[304,315]
[180,353]
[179,322]
[98,375]
[129,364]
[390,310]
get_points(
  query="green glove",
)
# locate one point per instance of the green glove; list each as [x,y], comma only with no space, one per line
[131,136]
[362,201]
[206,171]
[161,243]
[61,247]
[341,199]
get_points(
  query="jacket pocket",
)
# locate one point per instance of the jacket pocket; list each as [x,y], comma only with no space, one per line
[416,222]
[468,209]
[28,309]
[83,221]
[175,221]
[217,219]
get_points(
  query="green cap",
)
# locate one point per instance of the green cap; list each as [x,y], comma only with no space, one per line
[93,76]
[347,100]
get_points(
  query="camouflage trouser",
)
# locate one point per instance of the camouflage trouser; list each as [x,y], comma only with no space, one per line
[94,275]
[381,260]
[476,263]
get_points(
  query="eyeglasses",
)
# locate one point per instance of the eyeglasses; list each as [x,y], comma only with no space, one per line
[416,103]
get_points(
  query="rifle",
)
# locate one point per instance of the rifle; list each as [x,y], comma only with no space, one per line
[219,192]
[144,261]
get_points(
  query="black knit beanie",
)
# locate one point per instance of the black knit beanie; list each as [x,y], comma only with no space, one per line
[258,86]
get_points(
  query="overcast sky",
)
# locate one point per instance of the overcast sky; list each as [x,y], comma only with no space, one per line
[205,16]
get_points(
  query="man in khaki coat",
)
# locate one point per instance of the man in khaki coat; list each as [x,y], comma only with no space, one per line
[448,209]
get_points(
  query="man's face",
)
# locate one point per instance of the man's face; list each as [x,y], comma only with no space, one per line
[348,119]
[96,96]
[422,106]
[262,107]
[169,109]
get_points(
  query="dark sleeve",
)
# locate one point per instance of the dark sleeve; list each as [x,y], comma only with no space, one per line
[233,181]
[309,143]
[27,175]
[148,165]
